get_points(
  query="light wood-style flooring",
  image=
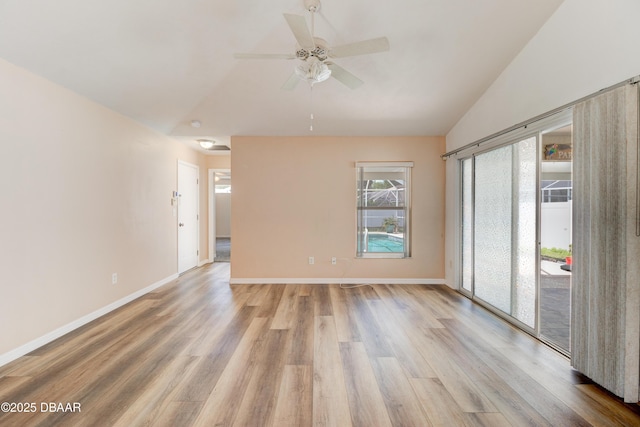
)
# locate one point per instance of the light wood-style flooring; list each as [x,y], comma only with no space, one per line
[199,352]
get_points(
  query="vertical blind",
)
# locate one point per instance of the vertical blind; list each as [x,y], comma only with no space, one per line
[605,323]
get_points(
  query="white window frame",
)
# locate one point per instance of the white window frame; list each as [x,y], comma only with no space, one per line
[362,240]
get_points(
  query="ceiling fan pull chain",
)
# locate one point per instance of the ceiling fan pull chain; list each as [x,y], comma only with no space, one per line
[313,32]
[311,115]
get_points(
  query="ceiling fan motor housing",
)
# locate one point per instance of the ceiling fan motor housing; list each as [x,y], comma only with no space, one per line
[312,5]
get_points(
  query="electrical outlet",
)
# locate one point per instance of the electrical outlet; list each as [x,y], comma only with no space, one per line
[334,261]
[114,278]
[311,260]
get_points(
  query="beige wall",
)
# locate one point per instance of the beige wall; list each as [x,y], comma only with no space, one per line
[294,197]
[223,215]
[218,161]
[86,194]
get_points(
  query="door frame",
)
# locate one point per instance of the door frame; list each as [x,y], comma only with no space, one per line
[211,196]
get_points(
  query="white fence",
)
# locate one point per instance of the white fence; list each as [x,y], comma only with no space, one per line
[556,225]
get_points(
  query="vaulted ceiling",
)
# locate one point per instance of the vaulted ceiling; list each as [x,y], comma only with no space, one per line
[165,63]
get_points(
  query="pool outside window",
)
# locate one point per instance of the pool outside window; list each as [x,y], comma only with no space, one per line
[383,209]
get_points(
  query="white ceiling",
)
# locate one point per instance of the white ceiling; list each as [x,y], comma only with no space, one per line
[165,63]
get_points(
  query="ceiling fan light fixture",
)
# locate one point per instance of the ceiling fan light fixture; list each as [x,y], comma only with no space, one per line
[207,144]
[313,71]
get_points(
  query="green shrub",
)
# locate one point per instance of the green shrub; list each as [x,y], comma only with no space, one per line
[555,253]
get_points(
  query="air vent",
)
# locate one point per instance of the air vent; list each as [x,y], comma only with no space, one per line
[219,148]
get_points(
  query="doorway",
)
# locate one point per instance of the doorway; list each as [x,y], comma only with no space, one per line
[556,194]
[188,220]
[220,215]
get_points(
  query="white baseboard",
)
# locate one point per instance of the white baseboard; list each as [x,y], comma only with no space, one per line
[344,281]
[446,282]
[204,261]
[45,339]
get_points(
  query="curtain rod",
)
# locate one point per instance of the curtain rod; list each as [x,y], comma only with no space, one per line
[632,80]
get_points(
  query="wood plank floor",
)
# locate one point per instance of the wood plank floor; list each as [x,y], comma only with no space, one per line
[199,352]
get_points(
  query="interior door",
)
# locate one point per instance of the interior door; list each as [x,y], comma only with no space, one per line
[188,221]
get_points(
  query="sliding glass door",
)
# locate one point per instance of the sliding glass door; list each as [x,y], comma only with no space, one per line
[515,229]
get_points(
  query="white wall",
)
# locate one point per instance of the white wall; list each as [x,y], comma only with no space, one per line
[585,46]
[86,193]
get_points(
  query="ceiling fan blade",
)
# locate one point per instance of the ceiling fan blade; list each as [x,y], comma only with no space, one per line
[291,82]
[380,44]
[300,30]
[263,56]
[344,77]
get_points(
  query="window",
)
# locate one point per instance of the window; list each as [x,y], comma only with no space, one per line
[222,181]
[223,188]
[383,209]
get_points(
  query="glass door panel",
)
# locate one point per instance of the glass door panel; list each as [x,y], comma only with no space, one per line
[504,229]
[493,226]
[525,233]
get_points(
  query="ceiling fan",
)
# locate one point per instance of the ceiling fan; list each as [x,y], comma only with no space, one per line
[315,56]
